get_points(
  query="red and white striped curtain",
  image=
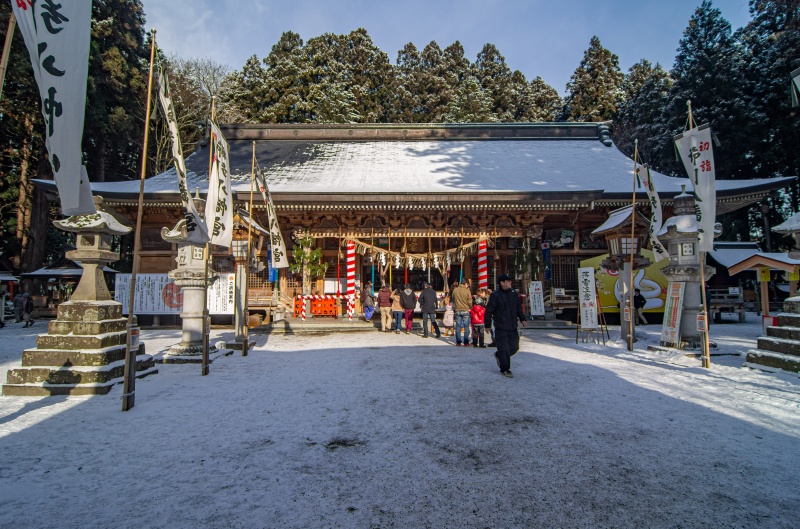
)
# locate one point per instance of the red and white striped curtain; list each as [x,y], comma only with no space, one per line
[483,273]
[351,278]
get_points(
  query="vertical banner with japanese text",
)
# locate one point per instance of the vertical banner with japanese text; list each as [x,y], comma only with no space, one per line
[195,227]
[546,259]
[219,202]
[673,309]
[795,87]
[656,215]
[537,298]
[696,153]
[587,298]
[57,37]
[279,257]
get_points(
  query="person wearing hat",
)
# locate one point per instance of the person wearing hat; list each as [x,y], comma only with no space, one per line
[427,304]
[462,304]
[504,309]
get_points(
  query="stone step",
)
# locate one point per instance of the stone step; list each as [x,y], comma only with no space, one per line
[79,357]
[779,345]
[786,319]
[72,382]
[93,328]
[75,342]
[786,333]
[771,361]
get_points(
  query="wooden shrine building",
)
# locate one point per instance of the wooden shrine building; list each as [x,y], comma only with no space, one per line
[420,190]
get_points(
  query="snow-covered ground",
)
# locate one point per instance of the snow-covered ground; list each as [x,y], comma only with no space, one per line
[378,430]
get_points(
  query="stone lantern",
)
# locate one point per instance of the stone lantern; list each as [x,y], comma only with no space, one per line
[617,231]
[83,352]
[680,235]
[194,278]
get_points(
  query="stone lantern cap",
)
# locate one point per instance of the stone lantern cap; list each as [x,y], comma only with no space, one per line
[101,222]
[680,224]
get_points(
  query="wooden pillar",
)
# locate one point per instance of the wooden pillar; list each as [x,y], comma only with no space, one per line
[764,295]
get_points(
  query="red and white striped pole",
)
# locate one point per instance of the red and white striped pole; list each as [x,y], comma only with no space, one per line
[483,271]
[351,279]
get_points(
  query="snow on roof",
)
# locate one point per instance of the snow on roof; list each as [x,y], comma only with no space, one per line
[616,218]
[790,225]
[432,166]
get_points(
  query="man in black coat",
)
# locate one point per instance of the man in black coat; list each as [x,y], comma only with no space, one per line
[504,309]
[427,304]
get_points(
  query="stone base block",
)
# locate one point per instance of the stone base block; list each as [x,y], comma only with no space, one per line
[89,311]
[44,382]
[95,328]
[193,359]
[189,350]
[66,358]
[75,342]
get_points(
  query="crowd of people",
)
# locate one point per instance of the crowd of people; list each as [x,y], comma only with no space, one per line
[467,316]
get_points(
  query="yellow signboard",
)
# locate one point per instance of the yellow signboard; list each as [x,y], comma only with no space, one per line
[650,281]
[763,275]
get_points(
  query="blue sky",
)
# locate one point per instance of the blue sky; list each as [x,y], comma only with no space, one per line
[544,38]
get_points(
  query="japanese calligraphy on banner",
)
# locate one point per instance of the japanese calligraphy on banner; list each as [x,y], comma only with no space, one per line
[673,309]
[219,202]
[696,153]
[279,258]
[158,294]
[587,298]
[195,227]
[537,298]
[656,215]
[57,38]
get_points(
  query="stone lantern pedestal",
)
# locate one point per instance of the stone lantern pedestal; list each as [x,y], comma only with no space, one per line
[83,352]
[192,278]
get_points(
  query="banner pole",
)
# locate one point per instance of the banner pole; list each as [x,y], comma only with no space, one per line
[204,363]
[633,234]
[247,266]
[704,312]
[12,23]
[129,373]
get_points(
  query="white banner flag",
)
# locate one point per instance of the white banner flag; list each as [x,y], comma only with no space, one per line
[219,202]
[795,88]
[656,215]
[195,227]
[694,147]
[279,257]
[57,38]
[587,298]
[537,298]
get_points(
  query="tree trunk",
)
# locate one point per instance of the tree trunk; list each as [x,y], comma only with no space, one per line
[24,200]
[100,174]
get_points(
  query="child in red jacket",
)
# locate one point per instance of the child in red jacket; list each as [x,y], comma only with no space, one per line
[476,316]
